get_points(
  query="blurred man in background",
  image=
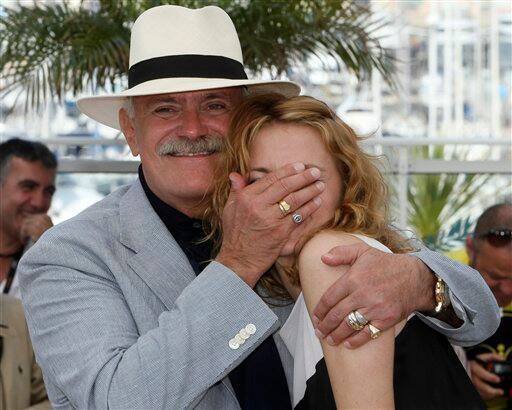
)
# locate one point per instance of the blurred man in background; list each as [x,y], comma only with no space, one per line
[21,379]
[490,252]
[27,185]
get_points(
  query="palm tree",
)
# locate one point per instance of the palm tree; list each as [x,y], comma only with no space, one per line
[50,50]
[436,200]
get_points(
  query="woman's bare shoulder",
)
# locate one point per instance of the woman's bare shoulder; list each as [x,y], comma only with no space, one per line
[323,241]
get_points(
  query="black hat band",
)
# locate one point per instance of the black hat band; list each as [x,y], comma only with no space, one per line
[189,65]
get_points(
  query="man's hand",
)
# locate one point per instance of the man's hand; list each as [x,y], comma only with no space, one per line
[482,377]
[254,227]
[386,288]
[33,226]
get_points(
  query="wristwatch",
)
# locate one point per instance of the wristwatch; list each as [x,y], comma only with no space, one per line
[441,295]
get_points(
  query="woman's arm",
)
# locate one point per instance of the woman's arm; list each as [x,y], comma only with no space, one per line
[361,378]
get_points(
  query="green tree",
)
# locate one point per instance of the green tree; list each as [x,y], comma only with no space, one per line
[436,200]
[50,50]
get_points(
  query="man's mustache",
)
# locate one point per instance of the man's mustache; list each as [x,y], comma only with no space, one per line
[186,146]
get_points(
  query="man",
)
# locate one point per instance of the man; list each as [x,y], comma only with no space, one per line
[490,252]
[123,306]
[27,182]
[21,379]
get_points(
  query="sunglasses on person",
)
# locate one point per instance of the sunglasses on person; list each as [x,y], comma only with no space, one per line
[497,237]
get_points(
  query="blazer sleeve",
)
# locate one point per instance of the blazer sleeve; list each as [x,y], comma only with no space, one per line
[470,296]
[88,344]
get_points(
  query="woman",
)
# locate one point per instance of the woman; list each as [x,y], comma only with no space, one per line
[268,131]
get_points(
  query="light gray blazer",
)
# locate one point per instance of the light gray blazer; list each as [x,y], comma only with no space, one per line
[118,318]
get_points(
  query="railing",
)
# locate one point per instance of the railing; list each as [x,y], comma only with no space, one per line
[400,162]
[401,165]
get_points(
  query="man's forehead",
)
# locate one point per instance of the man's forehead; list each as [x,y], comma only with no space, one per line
[22,169]
[230,92]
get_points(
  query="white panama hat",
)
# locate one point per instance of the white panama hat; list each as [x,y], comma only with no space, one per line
[175,49]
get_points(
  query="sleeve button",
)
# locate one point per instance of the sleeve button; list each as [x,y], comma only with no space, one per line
[250,328]
[244,334]
[233,344]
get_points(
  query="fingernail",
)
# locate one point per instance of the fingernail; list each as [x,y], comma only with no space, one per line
[320,185]
[317,200]
[319,334]
[347,344]
[330,341]
[315,320]
[315,172]
[299,166]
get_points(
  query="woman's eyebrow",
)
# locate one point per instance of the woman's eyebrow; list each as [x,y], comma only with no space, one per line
[261,169]
[266,171]
[314,166]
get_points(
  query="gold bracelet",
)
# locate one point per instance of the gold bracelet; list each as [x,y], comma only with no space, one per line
[441,295]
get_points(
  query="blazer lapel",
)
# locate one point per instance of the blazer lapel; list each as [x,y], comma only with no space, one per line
[157,258]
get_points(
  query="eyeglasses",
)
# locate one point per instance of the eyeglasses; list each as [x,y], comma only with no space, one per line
[497,237]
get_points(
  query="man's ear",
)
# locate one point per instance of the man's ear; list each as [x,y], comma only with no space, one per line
[470,248]
[128,129]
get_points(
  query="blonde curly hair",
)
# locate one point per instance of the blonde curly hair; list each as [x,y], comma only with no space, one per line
[363,205]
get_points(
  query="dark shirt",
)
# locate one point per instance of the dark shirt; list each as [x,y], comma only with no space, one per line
[427,375]
[9,279]
[259,381]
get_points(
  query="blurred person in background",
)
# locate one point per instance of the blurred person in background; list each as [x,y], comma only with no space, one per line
[27,185]
[21,379]
[490,252]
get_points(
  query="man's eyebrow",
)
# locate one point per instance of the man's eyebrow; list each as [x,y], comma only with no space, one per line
[27,182]
[164,100]
[172,100]
[212,96]
[51,187]
[266,171]
[497,275]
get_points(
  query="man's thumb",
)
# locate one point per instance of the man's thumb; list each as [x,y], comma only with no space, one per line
[343,255]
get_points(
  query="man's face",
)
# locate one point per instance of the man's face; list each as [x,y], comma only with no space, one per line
[177,137]
[27,189]
[495,266]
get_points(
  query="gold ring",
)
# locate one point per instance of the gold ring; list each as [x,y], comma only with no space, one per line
[284,207]
[374,331]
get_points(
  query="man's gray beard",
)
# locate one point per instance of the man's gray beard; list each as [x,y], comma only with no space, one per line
[184,146]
